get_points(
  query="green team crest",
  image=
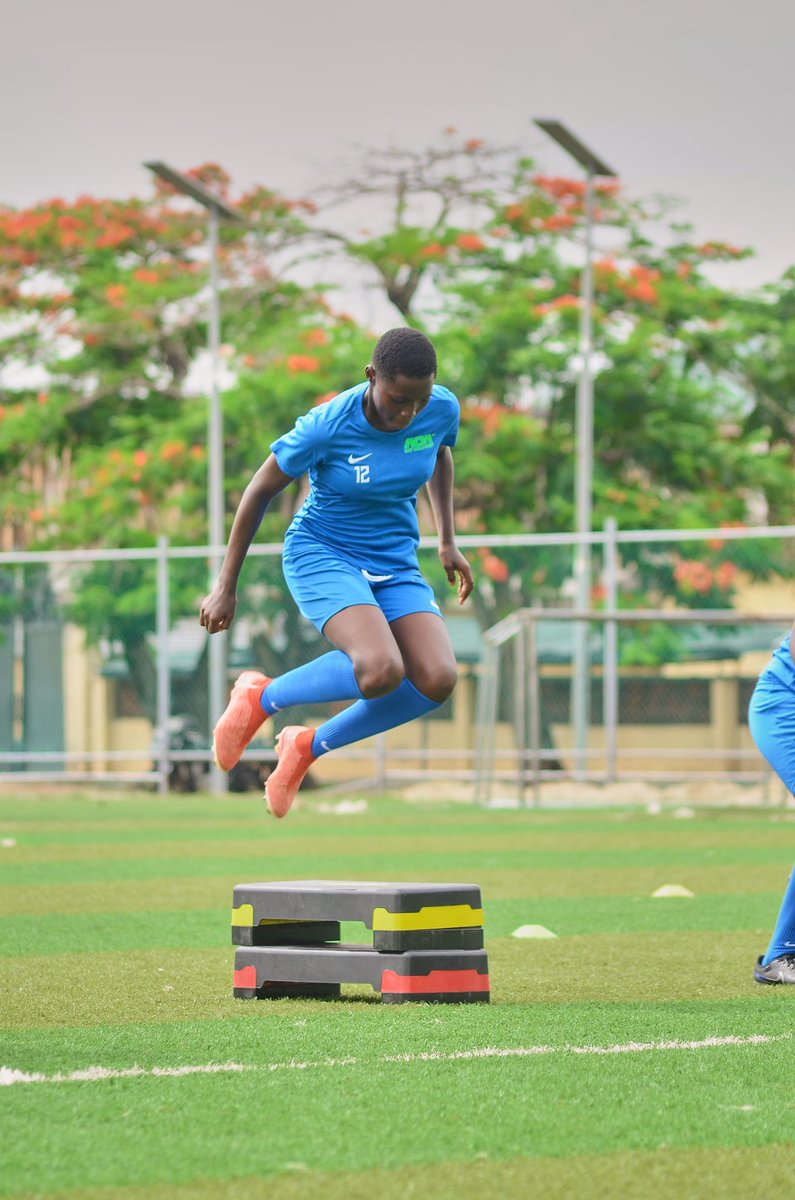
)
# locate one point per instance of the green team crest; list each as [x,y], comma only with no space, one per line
[423,441]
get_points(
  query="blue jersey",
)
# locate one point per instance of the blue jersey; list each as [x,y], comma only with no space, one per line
[364,481]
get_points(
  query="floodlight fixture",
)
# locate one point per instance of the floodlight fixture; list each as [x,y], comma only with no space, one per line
[584,156]
[191,187]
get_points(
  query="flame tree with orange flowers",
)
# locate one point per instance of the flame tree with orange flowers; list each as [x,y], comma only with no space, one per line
[691,423]
[103,418]
[102,411]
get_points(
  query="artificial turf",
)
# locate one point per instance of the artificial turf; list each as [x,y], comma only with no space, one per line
[115,953]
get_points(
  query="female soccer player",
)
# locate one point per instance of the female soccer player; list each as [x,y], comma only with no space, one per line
[350,561]
[771,718]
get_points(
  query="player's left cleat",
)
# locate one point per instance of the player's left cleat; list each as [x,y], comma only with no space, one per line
[779,970]
[294,748]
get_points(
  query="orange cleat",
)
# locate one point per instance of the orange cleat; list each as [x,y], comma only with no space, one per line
[294,748]
[241,719]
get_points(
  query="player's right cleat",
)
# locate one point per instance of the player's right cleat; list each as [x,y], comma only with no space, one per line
[779,970]
[294,748]
[241,719]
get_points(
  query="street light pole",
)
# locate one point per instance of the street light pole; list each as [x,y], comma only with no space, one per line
[217,651]
[581,682]
[580,691]
[217,655]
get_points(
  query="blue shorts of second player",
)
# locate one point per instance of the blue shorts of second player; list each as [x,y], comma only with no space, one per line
[323,583]
[771,719]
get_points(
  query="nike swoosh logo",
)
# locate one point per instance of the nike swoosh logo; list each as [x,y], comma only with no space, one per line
[374,578]
[361,458]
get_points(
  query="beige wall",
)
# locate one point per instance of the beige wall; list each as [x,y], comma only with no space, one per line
[86,700]
[765,596]
[88,708]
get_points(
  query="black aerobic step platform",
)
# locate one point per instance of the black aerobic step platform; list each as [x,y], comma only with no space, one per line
[436,976]
[402,916]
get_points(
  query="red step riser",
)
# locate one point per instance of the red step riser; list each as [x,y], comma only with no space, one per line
[436,981]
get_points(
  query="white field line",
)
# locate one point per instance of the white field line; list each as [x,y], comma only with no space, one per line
[9,1075]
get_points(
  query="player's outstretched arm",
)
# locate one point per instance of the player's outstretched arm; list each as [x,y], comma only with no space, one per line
[218,609]
[440,490]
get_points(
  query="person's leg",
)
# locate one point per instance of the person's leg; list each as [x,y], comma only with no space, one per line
[255,697]
[416,644]
[322,585]
[427,654]
[330,677]
[365,636]
[298,746]
[335,595]
[419,649]
[771,719]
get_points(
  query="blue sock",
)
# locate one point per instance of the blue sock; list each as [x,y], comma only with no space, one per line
[783,940]
[367,717]
[330,677]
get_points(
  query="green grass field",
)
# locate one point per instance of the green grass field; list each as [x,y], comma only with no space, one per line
[633,1056]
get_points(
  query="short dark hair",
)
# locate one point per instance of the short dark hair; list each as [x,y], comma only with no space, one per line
[404,351]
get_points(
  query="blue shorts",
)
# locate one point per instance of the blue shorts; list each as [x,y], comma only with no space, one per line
[323,583]
[771,719]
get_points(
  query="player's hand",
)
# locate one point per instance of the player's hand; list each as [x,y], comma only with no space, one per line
[217,610]
[456,565]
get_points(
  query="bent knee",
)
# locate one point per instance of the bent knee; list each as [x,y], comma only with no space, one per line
[378,677]
[437,683]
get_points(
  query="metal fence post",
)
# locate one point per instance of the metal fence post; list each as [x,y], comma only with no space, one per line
[18,666]
[487,712]
[520,709]
[163,666]
[581,662]
[535,708]
[610,652]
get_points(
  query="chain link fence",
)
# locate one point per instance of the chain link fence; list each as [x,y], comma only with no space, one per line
[104,667]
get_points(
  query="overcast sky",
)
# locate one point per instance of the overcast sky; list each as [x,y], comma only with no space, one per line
[693,97]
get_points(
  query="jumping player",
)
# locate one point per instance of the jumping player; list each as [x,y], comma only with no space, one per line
[350,561]
[771,718]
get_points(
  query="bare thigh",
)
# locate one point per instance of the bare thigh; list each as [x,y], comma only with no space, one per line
[427,654]
[363,633]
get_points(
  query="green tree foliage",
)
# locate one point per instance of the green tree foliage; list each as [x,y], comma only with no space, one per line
[766,363]
[102,441]
[103,329]
[691,415]
[102,433]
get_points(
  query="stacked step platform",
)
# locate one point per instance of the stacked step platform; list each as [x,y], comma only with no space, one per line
[427,940]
